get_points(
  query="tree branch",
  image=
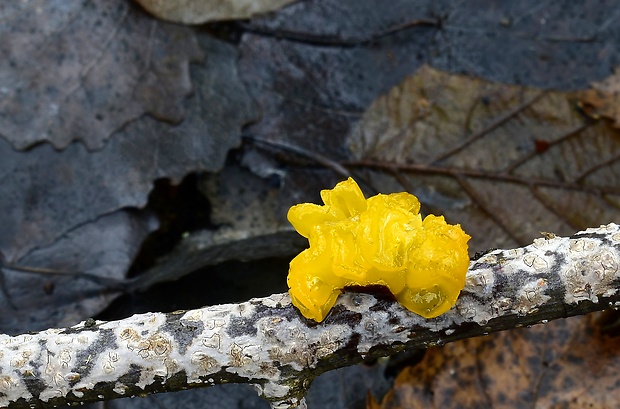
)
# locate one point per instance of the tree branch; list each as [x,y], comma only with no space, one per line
[266,342]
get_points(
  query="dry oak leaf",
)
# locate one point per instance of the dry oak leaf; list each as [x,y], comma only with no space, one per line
[571,363]
[82,70]
[202,11]
[505,161]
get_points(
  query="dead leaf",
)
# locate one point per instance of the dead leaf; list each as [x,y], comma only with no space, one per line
[471,149]
[104,248]
[48,192]
[568,363]
[603,100]
[83,71]
[452,36]
[203,11]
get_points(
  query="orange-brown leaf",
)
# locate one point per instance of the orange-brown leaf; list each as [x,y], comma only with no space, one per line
[505,161]
[571,363]
[603,100]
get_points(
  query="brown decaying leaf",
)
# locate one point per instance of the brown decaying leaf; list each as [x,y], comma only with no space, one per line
[603,100]
[203,11]
[504,161]
[83,70]
[570,363]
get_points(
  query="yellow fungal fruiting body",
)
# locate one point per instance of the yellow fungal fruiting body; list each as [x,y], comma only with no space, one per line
[382,240]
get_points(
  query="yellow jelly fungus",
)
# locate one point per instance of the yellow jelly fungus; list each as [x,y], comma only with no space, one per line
[382,240]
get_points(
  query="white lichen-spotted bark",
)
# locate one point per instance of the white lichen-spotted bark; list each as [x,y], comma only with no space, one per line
[266,342]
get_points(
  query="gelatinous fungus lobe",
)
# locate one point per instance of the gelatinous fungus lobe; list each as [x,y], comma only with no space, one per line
[382,240]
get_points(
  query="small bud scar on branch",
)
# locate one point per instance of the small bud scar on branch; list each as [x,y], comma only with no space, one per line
[268,343]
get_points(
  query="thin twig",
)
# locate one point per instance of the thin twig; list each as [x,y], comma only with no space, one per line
[107,281]
[331,41]
[316,157]
[481,174]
